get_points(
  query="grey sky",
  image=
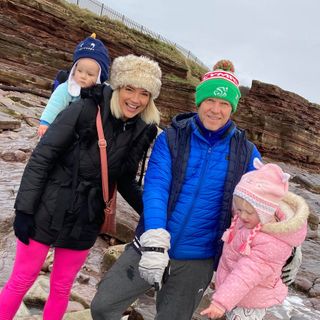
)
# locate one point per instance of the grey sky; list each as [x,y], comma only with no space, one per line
[274,41]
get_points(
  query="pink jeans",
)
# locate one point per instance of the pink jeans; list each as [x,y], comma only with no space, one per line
[28,262]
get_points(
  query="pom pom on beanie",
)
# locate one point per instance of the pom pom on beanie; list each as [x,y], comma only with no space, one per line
[220,83]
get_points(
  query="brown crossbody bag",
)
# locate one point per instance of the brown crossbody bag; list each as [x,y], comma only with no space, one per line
[110,199]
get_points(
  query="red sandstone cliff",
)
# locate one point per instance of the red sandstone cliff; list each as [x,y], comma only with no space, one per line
[38,37]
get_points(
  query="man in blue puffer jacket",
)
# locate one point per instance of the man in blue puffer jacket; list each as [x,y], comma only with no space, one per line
[194,167]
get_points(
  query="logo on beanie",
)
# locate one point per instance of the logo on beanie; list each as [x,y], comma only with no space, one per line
[90,47]
[221,92]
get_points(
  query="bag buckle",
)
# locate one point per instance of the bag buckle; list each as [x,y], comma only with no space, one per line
[102,143]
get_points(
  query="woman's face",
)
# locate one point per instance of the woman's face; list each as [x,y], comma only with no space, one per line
[133,101]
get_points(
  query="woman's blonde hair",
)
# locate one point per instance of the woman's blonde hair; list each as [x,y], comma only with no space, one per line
[149,115]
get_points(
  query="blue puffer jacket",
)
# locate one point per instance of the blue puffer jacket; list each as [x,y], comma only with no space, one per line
[194,221]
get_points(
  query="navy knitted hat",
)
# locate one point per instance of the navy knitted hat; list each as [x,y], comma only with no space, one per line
[94,49]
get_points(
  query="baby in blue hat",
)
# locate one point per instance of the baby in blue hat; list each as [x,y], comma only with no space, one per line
[90,66]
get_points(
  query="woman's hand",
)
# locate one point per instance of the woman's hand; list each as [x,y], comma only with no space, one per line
[23,226]
[213,312]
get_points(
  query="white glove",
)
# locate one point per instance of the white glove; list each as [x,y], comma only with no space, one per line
[155,244]
[291,268]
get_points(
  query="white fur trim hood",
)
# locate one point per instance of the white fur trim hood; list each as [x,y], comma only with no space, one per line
[296,212]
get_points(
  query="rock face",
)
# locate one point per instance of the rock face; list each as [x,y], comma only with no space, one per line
[38,37]
[283,125]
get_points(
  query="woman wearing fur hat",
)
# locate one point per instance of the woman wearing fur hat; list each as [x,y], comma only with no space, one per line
[60,202]
[268,222]
[91,64]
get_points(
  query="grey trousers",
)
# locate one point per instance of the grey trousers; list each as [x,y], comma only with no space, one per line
[177,300]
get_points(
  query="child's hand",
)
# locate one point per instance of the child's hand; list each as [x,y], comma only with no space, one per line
[213,312]
[42,130]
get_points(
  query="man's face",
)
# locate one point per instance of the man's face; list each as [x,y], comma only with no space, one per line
[214,113]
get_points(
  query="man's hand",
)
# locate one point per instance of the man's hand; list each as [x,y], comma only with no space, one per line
[291,268]
[155,244]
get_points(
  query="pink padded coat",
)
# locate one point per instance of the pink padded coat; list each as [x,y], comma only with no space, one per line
[254,280]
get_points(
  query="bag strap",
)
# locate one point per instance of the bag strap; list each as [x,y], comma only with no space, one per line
[102,143]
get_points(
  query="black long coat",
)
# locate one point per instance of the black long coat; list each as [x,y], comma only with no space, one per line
[61,184]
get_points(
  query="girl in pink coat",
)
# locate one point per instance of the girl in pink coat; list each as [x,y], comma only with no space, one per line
[268,222]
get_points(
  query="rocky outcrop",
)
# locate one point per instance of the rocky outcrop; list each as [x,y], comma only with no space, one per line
[283,125]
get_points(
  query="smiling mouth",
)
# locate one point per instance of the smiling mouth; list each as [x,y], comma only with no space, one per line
[131,107]
[213,118]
